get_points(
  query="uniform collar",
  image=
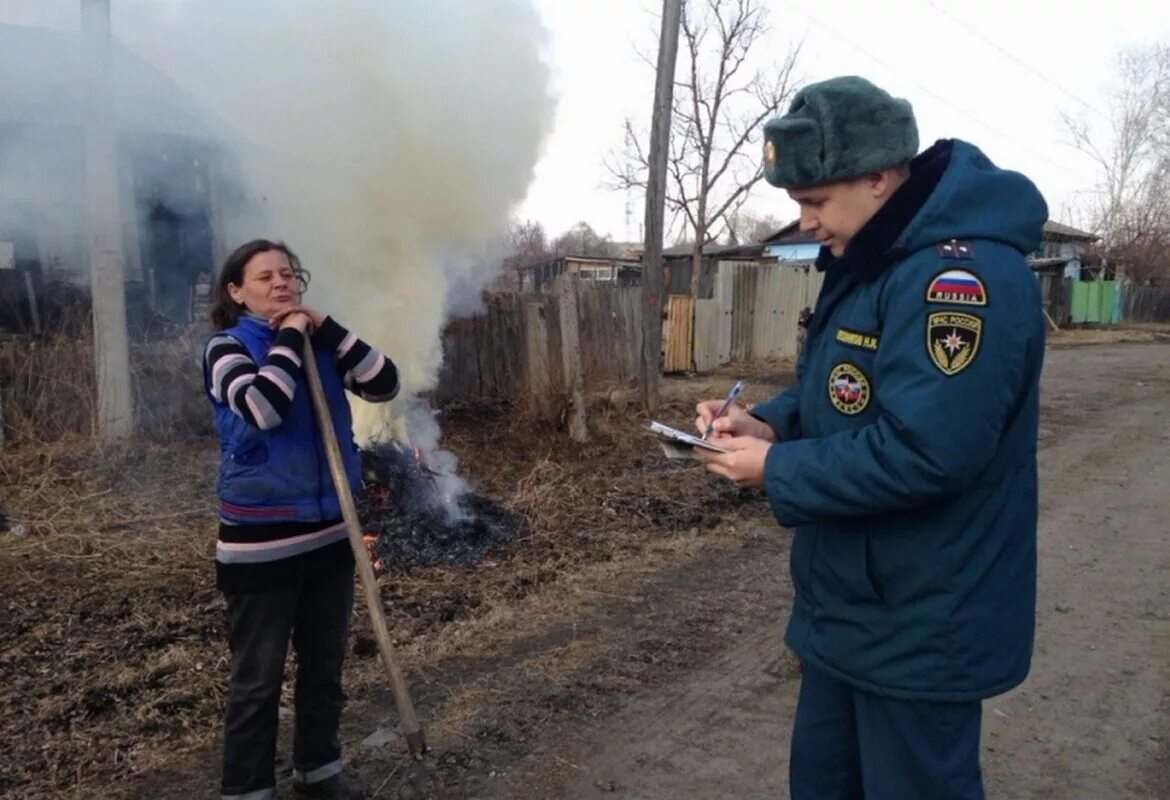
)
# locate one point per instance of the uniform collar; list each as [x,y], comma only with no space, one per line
[872,250]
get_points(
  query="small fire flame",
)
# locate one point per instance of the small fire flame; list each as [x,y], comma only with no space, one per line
[369,539]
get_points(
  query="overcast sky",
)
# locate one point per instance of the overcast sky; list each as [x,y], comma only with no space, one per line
[995,73]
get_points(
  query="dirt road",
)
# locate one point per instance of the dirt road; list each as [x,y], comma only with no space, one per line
[1093,719]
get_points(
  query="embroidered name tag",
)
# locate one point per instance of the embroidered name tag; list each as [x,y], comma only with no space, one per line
[862,341]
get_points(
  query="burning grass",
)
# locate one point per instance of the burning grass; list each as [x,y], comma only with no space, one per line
[114,661]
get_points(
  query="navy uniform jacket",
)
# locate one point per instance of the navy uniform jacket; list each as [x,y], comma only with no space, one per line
[907,451]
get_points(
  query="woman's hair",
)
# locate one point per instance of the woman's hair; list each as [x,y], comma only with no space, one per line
[226,311]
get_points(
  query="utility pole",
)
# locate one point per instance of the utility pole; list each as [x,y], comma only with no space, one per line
[656,205]
[115,412]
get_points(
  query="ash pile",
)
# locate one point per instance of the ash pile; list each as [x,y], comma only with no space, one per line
[418,514]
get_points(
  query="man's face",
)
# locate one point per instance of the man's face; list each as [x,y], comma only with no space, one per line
[835,212]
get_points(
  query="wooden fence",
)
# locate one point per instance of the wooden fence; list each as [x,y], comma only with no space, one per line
[1145,304]
[512,351]
[753,312]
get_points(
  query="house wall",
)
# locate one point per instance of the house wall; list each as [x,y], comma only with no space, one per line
[167,216]
[591,270]
[41,206]
[1062,249]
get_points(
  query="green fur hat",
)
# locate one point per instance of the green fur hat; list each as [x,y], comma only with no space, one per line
[838,129]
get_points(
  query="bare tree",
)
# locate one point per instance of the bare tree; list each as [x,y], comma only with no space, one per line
[525,245]
[1130,208]
[582,240]
[528,244]
[719,107]
[747,228]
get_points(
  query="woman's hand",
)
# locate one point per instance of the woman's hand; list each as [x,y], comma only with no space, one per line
[303,318]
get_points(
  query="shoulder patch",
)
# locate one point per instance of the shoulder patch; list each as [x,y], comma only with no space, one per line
[956,287]
[964,251]
[952,340]
[849,390]
[862,341]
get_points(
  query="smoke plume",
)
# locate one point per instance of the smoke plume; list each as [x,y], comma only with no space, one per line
[386,142]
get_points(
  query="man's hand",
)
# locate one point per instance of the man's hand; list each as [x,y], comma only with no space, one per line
[744,465]
[736,422]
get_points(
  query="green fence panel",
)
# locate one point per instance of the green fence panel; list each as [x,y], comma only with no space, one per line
[1079,301]
[1093,310]
[1095,302]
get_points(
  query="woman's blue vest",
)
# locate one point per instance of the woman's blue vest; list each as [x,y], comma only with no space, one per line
[282,474]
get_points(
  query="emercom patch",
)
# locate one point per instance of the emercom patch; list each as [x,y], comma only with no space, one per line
[863,341]
[849,390]
[957,287]
[952,340]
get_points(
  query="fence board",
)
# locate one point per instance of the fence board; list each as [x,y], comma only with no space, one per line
[708,316]
[743,310]
[678,334]
[764,301]
[767,331]
[1145,304]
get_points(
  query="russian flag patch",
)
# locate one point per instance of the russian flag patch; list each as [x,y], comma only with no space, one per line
[957,287]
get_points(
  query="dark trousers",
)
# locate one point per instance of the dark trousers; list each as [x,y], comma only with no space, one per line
[315,613]
[849,744]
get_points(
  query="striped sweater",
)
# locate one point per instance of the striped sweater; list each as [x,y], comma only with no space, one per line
[266,556]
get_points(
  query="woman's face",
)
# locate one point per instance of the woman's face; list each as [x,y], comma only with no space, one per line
[269,284]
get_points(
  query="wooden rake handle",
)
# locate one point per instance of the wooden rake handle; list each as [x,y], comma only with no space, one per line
[410,727]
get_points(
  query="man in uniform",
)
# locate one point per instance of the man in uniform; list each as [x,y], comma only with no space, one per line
[905,456]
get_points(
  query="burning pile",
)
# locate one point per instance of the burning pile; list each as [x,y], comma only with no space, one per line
[417,516]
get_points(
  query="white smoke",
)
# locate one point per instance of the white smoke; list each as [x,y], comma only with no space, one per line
[386,142]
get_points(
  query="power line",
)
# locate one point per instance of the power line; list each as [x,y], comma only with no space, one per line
[927,90]
[1003,50]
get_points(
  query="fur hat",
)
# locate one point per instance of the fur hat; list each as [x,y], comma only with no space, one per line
[835,130]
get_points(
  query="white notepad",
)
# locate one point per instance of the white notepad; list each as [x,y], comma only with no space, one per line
[680,444]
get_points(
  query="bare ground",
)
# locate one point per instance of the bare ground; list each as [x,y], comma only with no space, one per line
[630,648]
[1092,721]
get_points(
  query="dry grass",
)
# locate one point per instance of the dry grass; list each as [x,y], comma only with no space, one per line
[113,662]
[109,608]
[50,393]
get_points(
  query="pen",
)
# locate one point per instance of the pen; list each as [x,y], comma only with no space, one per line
[731,396]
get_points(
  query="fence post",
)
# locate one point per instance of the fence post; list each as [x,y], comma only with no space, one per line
[571,351]
[538,368]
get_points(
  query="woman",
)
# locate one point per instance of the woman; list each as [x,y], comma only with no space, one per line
[282,558]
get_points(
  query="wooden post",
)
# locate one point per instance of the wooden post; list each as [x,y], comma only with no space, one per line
[104,221]
[571,351]
[656,204]
[411,731]
[538,383]
[216,165]
[33,310]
